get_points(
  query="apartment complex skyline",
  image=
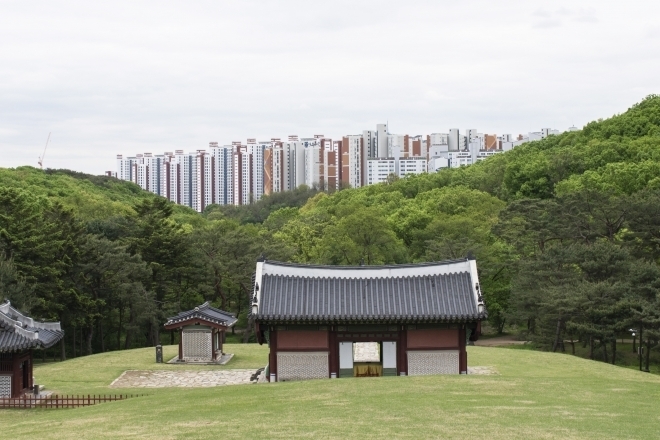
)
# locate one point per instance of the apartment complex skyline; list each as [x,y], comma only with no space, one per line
[240,174]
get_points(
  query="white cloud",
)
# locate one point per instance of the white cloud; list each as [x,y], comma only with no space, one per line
[126,77]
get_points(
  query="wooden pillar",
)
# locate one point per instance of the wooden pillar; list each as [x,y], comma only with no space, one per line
[30,364]
[462,354]
[181,344]
[214,340]
[402,351]
[221,337]
[16,378]
[333,355]
[272,358]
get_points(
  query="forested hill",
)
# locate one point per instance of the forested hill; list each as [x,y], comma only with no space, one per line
[89,196]
[566,232]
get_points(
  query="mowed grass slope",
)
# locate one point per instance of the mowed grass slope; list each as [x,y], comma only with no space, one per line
[536,395]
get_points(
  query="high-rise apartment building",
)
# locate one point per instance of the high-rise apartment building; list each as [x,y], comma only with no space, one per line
[277,167]
[353,161]
[411,165]
[256,151]
[332,165]
[223,173]
[454,139]
[170,175]
[125,168]
[396,144]
[243,177]
[382,131]
[315,158]
[379,169]
[205,172]
[370,140]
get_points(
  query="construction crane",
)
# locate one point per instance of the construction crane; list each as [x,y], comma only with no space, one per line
[41,158]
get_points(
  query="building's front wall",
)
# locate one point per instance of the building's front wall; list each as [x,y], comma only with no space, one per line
[196,343]
[315,352]
[15,374]
[434,351]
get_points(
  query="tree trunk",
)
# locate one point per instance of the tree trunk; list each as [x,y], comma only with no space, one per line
[62,350]
[614,351]
[155,334]
[82,339]
[648,353]
[129,331]
[101,336]
[572,346]
[248,330]
[74,342]
[591,347]
[557,334]
[641,344]
[217,286]
[121,315]
[605,357]
[500,326]
[88,339]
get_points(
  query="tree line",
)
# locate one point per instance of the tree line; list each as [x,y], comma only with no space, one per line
[113,281]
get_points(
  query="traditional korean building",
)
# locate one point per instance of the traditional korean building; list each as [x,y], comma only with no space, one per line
[421,315]
[19,335]
[202,333]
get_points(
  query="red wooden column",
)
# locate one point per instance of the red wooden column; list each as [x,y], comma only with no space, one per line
[402,352]
[333,355]
[30,371]
[16,379]
[214,339]
[462,354]
[272,361]
[181,344]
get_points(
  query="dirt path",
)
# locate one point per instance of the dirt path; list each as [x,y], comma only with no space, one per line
[498,341]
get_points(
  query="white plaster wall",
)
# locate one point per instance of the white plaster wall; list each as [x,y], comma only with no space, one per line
[389,354]
[345,355]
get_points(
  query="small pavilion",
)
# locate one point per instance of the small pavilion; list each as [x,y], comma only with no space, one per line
[19,335]
[315,319]
[202,333]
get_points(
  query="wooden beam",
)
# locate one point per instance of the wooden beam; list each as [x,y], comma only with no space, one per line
[180,344]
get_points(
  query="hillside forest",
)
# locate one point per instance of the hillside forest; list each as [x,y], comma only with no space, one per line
[566,233]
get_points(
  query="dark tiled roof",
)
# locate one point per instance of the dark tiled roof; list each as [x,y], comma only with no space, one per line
[206,313]
[19,332]
[419,295]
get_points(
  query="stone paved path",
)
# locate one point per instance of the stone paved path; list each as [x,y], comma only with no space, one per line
[181,378]
[482,370]
[366,352]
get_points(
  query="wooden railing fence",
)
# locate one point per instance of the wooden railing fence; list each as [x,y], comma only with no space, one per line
[59,401]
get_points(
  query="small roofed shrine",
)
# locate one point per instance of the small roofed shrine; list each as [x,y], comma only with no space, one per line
[202,333]
[416,317]
[19,335]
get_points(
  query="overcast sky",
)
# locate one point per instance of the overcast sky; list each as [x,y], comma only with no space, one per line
[138,76]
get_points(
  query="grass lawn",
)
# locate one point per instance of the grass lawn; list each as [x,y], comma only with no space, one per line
[625,357]
[536,395]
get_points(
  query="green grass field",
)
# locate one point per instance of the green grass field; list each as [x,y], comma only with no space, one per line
[536,395]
